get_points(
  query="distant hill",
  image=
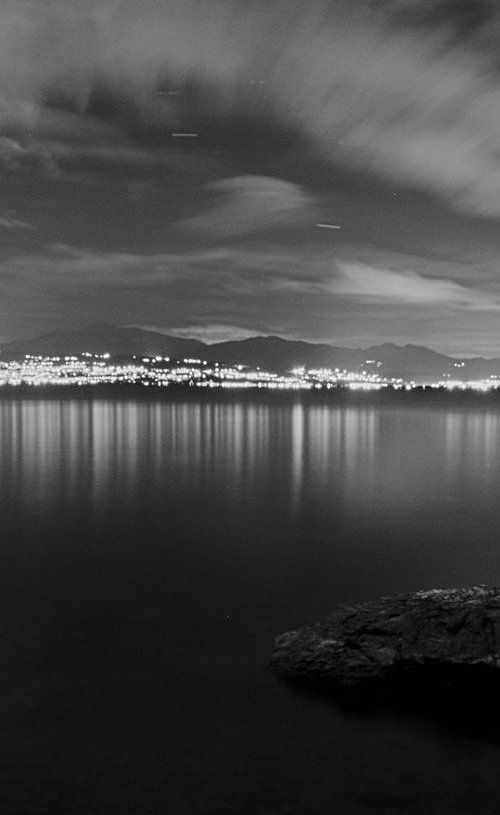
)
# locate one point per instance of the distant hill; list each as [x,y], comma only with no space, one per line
[101,338]
[271,353]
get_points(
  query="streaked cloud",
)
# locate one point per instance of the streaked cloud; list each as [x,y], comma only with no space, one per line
[263,288]
[396,90]
[241,288]
[211,332]
[14,223]
[360,280]
[34,157]
[251,204]
[59,158]
[309,117]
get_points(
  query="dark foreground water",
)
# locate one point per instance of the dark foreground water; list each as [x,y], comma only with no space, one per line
[151,550]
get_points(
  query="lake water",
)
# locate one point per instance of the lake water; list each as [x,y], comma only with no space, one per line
[153,548]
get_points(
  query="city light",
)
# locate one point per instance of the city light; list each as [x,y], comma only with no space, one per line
[98,369]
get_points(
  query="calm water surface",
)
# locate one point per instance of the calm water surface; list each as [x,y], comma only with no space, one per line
[151,550]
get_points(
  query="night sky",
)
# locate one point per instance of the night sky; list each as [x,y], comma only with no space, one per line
[327,171]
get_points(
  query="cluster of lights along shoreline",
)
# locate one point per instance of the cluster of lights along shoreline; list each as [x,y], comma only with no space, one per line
[160,372]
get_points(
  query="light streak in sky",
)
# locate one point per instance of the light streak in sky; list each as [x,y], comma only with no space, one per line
[328,226]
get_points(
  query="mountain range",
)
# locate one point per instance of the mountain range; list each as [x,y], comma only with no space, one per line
[271,353]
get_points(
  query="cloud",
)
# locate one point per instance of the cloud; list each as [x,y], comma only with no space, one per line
[250,204]
[261,288]
[16,157]
[210,332]
[408,91]
[14,223]
[64,284]
[57,158]
[71,271]
[360,280]
[248,274]
[101,158]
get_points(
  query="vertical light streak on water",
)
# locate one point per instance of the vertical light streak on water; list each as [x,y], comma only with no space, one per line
[375,468]
[154,437]
[129,444]
[491,431]
[75,433]
[99,451]
[319,439]
[185,437]
[471,449]
[229,445]
[238,446]
[451,434]
[194,429]
[297,454]
[356,448]
[258,434]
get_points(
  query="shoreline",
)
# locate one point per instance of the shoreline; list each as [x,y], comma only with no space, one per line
[420,396]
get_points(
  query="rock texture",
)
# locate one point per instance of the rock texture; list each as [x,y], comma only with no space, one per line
[439,632]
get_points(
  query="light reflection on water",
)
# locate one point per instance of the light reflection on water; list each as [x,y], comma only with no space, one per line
[152,549]
[359,455]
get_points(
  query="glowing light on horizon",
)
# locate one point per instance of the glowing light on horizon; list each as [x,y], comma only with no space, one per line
[99,369]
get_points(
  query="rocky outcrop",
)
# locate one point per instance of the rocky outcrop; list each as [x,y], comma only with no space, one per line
[430,633]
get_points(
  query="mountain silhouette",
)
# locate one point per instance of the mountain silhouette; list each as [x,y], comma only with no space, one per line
[271,353]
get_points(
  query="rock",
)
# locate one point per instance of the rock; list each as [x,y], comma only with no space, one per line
[433,633]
